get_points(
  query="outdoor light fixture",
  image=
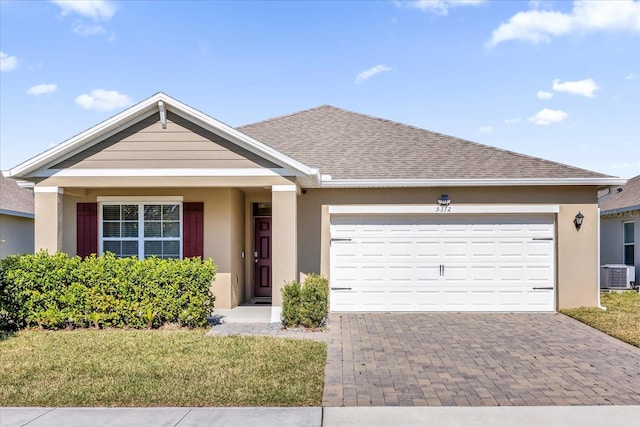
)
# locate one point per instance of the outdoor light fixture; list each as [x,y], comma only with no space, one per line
[578,220]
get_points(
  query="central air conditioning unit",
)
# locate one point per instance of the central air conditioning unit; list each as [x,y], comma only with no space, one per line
[617,276]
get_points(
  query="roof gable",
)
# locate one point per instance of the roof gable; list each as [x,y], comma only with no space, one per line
[178,144]
[162,105]
[350,145]
[625,200]
[15,200]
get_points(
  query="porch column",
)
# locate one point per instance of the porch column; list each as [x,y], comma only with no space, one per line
[283,242]
[48,218]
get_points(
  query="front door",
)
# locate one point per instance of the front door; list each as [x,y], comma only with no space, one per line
[262,257]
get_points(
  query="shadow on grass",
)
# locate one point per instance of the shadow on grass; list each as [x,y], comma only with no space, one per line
[5,335]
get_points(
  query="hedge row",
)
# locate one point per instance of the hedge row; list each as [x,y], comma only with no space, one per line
[307,304]
[58,291]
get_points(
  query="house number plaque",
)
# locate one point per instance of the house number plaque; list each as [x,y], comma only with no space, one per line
[444,204]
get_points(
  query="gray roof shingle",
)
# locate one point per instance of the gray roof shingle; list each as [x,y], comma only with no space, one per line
[13,198]
[348,145]
[627,199]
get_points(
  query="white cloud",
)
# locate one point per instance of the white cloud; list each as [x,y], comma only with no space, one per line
[486,129]
[42,89]
[539,26]
[367,74]
[630,76]
[99,10]
[7,63]
[546,117]
[513,121]
[584,87]
[544,95]
[439,7]
[103,100]
[85,30]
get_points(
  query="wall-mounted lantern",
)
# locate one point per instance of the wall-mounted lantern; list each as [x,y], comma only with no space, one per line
[578,220]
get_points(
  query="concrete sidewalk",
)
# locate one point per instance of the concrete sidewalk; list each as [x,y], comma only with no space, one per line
[498,416]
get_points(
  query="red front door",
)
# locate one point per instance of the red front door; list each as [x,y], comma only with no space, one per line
[262,257]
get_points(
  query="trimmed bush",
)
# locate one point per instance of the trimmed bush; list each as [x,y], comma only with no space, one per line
[291,304]
[58,291]
[307,304]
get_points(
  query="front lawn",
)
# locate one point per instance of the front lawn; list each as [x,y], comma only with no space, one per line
[621,320]
[158,368]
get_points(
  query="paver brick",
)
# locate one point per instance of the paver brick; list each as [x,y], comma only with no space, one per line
[488,359]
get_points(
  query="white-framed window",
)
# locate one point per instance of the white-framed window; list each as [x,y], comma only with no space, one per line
[628,242]
[141,229]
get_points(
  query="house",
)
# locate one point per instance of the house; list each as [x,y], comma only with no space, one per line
[398,218]
[16,218]
[620,226]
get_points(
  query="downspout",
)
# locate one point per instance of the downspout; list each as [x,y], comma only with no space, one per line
[600,306]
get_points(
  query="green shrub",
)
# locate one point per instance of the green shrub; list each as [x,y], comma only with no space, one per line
[291,304]
[56,291]
[314,301]
[305,305]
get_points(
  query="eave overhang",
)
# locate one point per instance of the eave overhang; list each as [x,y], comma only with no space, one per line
[327,182]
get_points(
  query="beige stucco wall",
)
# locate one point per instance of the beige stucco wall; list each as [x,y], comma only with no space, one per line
[284,240]
[16,235]
[576,252]
[48,207]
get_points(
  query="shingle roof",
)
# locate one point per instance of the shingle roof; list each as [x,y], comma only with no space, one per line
[627,199]
[13,198]
[348,145]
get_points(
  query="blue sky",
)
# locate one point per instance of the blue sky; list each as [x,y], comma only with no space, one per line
[554,79]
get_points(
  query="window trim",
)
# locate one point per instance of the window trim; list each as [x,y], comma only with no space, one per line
[140,201]
[632,243]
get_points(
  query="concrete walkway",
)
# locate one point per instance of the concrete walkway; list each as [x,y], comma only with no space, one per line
[538,416]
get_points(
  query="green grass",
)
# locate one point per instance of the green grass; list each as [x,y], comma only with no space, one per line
[158,368]
[620,320]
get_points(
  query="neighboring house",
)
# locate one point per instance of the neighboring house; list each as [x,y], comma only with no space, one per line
[16,218]
[398,218]
[620,226]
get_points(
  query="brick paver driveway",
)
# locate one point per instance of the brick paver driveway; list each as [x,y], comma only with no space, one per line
[453,359]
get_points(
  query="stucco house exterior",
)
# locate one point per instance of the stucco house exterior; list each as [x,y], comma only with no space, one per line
[620,226]
[398,218]
[16,218]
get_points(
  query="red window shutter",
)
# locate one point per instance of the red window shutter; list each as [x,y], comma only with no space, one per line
[193,229]
[87,229]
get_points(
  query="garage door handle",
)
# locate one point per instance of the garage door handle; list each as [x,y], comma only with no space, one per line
[550,288]
[340,289]
[340,240]
[543,238]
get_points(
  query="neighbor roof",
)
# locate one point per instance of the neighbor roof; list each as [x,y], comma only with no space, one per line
[15,200]
[348,145]
[626,200]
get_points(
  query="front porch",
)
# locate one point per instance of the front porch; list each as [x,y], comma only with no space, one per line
[251,264]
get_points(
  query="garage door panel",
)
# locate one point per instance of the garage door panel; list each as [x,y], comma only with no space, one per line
[477,263]
[482,249]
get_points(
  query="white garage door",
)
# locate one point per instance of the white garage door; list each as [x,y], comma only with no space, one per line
[435,263]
